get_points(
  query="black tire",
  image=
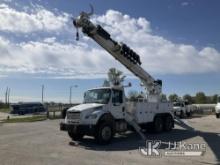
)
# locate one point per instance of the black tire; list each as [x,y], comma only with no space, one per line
[64,112]
[217,115]
[158,124]
[188,114]
[168,123]
[181,115]
[104,133]
[75,136]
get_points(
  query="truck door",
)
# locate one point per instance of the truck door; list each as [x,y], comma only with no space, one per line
[117,104]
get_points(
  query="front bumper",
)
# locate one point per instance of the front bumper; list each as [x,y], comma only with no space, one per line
[83,129]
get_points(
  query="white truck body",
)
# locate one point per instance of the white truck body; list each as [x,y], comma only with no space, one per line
[89,114]
[142,112]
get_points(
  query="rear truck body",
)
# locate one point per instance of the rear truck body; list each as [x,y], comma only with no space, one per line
[182,109]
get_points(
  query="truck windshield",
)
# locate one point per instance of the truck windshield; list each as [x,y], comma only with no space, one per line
[97,96]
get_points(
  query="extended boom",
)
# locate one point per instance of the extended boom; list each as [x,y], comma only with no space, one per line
[121,52]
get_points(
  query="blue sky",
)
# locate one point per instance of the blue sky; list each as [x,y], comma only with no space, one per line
[178,42]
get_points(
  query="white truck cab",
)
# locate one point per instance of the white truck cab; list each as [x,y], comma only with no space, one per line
[97,102]
[217,108]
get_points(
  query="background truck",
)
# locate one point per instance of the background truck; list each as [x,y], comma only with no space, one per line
[105,111]
[182,109]
[27,108]
[217,108]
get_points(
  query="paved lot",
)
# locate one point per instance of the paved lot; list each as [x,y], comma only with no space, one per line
[42,143]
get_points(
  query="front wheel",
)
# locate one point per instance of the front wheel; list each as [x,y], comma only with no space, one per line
[188,114]
[104,133]
[75,136]
[181,114]
[217,115]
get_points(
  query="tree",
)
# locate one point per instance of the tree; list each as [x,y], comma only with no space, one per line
[115,77]
[214,99]
[106,83]
[200,98]
[188,98]
[163,97]
[173,97]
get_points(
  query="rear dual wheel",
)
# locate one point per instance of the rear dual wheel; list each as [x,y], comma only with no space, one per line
[168,123]
[163,123]
[158,124]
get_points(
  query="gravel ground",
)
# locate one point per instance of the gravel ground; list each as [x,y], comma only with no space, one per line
[41,143]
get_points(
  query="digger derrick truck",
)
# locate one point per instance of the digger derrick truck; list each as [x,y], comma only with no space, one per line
[105,110]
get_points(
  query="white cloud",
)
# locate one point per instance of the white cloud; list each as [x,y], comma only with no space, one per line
[50,40]
[53,58]
[85,59]
[3,76]
[158,54]
[184,3]
[39,19]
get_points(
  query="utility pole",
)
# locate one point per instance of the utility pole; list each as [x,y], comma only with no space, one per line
[6,95]
[70,97]
[9,90]
[42,94]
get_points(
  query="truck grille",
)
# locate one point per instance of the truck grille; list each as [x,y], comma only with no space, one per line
[73,116]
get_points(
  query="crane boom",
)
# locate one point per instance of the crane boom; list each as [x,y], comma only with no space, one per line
[120,52]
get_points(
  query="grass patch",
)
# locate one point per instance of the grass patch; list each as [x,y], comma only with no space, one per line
[5,110]
[25,119]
